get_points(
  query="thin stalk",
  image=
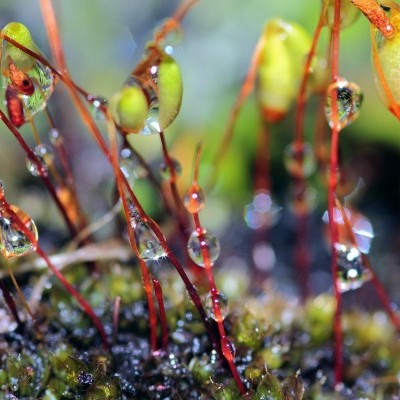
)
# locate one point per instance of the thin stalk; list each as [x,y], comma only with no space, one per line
[10,302]
[116,311]
[161,309]
[337,325]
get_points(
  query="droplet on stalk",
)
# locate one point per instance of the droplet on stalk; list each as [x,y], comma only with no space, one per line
[45,156]
[352,273]
[194,200]
[55,137]
[262,212]
[222,302]
[199,241]
[128,165]
[147,243]
[348,99]
[299,160]
[13,241]
[96,106]
[165,170]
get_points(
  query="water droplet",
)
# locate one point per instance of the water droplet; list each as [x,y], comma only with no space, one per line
[262,212]
[302,200]
[194,200]
[361,228]
[55,137]
[128,165]
[351,272]
[165,171]
[97,105]
[349,99]
[43,83]
[45,153]
[152,124]
[207,241]
[228,348]
[221,301]
[148,245]
[172,38]
[46,157]
[14,242]
[299,160]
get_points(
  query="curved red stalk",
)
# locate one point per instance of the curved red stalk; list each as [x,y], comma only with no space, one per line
[161,309]
[10,302]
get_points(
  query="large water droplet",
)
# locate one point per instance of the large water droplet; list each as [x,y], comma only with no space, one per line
[361,228]
[351,272]
[299,160]
[349,99]
[262,212]
[221,301]
[165,171]
[194,200]
[152,124]
[228,348]
[14,242]
[128,165]
[147,243]
[205,241]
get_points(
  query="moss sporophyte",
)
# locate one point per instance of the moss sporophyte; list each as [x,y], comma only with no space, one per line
[165,279]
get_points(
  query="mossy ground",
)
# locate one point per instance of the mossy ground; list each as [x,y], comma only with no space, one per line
[282,347]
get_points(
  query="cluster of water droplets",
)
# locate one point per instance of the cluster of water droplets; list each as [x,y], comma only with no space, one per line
[348,101]
[262,212]
[14,242]
[148,245]
[45,155]
[352,273]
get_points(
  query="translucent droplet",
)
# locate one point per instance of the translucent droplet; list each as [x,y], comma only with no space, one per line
[43,83]
[147,243]
[222,303]
[351,272]
[302,200]
[55,137]
[128,165]
[172,38]
[194,199]
[262,212]
[299,160]
[97,105]
[152,124]
[165,171]
[208,242]
[361,228]
[349,99]
[46,158]
[14,242]
[228,348]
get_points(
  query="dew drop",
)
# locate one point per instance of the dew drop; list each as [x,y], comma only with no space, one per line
[349,100]
[128,165]
[221,301]
[351,272]
[262,212]
[45,152]
[299,160]
[302,200]
[228,348]
[14,242]
[194,200]
[171,39]
[204,240]
[152,124]
[165,171]
[148,245]
[96,107]
[55,137]
[45,156]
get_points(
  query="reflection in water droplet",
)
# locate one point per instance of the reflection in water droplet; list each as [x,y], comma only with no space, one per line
[194,200]
[360,225]
[228,348]
[165,169]
[262,212]
[299,160]
[14,242]
[45,152]
[152,124]
[351,272]
[222,302]
[96,105]
[208,242]
[128,165]
[349,99]
[55,137]
[147,243]
[171,39]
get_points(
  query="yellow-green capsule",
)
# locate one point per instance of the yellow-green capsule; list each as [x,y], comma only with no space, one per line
[348,13]
[389,57]
[20,33]
[129,108]
[169,91]
[281,67]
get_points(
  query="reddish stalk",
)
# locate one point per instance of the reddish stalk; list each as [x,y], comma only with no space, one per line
[70,289]
[116,310]
[42,171]
[224,341]
[163,316]
[10,302]
[337,325]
